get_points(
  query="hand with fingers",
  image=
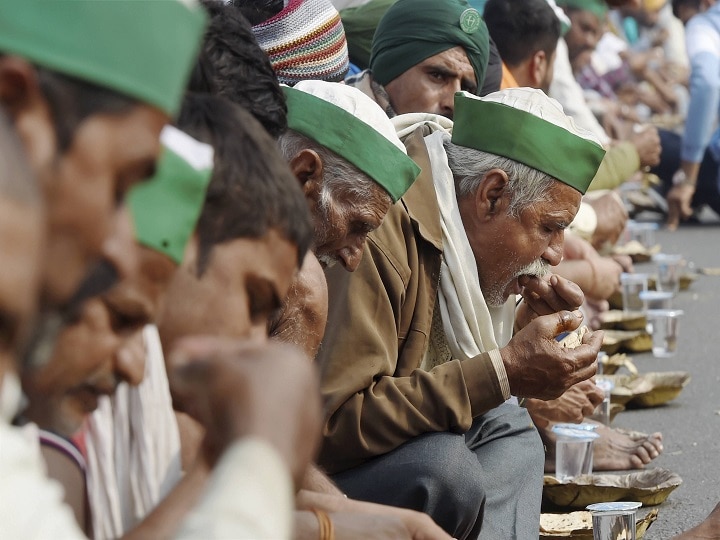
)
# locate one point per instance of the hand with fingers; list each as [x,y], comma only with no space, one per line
[546,295]
[539,367]
[579,401]
[239,389]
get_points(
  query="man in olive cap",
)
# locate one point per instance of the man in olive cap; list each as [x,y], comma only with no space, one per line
[419,355]
[422,53]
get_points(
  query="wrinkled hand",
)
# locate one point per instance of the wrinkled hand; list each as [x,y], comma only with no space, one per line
[238,389]
[539,367]
[574,405]
[546,295]
[405,523]
[679,200]
[647,144]
[416,525]
[612,216]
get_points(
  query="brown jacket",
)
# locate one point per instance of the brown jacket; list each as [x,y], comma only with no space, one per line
[380,317]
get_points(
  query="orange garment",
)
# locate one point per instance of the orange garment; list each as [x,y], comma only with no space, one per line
[508,81]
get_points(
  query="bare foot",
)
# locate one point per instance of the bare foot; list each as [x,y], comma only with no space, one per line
[619,450]
[707,530]
[615,450]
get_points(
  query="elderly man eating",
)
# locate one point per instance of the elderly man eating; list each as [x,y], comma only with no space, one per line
[418,357]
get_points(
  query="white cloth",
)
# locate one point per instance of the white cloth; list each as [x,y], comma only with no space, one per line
[133,447]
[31,505]
[250,495]
[470,326]
[568,92]
[354,101]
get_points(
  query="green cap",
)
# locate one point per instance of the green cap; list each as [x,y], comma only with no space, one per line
[343,119]
[414,30]
[526,126]
[598,7]
[166,208]
[145,50]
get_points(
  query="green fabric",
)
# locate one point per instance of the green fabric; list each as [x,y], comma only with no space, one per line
[598,7]
[414,30]
[165,209]
[352,139]
[360,24]
[142,49]
[620,163]
[523,137]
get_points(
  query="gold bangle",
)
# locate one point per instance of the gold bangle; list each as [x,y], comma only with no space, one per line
[327,529]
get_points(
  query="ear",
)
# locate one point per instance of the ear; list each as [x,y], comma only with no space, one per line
[537,68]
[307,166]
[19,85]
[490,197]
[28,110]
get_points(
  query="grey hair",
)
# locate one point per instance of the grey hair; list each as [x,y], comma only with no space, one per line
[340,177]
[526,186]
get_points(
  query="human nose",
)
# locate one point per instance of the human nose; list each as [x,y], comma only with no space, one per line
[554,251]
[130,359]
[447,101]
[351,255]
[120,248]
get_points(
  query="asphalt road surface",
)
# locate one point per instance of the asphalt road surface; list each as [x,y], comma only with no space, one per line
[691,423]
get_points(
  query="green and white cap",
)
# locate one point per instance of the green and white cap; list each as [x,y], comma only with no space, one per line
[343,119]
[145,50]
[166,208]
[525,125]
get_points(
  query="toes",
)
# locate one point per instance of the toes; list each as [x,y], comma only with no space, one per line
[642,453]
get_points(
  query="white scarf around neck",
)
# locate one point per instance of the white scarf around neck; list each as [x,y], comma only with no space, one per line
[470,326]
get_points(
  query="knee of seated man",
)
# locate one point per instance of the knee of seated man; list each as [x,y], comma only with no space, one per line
[449,474]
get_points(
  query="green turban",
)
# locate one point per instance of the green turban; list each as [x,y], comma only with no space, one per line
[598,7]
[414,30]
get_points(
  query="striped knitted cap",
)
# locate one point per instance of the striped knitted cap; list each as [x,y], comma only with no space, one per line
[305,41]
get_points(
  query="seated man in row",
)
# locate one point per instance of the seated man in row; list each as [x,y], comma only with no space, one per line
[104,354]
[526,34]
[91,132]
[419,356]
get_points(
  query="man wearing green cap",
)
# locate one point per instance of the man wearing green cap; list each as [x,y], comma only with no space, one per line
[419,354]
[106,346]
[352,167]
[88,86]
[422,53]
[166,210]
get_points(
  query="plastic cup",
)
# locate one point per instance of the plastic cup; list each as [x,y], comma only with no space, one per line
[614,520]
[663,325]
[632,286]
[668,269]
[573,450]
[602,411]
[600,359]
[656,300]
[641,232]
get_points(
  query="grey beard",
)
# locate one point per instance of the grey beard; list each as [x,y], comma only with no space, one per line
[327,261]
[496,296]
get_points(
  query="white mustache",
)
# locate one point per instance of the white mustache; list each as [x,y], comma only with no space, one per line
[537,268]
